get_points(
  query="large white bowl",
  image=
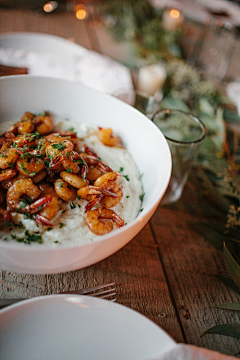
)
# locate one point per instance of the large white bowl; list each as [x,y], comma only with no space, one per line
[143,140]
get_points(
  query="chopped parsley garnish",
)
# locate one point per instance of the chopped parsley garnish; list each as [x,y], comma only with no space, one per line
[32,173]
[69,170]
[35,237]
[29,200]
[19,225]
[49,229]
[22,204]
[61,225]
[126,177]
[127,196]
[34,135]
[121,169]
[28,215]
[79,197]
[141,197]
[141,210]
[72,205]
[23,168]
[81,161]
[59,146]
[14,145]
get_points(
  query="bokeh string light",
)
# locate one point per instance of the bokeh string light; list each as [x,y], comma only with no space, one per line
[50,6]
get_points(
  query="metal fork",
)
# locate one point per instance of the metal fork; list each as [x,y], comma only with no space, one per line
[105,291]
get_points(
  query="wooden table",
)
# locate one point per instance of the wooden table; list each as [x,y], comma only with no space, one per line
[168,272]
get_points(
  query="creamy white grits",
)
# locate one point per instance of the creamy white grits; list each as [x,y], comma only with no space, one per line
[69,226]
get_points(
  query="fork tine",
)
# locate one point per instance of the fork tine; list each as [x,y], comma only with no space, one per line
[98,287]
[107,296]
[105,292]
[99,291]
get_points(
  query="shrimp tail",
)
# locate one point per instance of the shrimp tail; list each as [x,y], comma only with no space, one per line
[96,199]
[57,161]
[90,151]
[38,204]
[109,193]
[42,220]
[84,171]
[70,134]
[101,165]
[119,222]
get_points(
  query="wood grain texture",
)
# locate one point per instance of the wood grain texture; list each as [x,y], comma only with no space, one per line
[135,269]
[168,272]
[192,266]
[64,25]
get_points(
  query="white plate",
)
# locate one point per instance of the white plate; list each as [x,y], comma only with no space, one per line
[63,327]
[54,56]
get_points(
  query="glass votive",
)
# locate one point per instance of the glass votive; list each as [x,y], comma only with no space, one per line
[184,133]
[140,100]
[151,78]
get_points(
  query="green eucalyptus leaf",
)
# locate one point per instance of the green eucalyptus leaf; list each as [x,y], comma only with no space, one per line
[205,107]
[173,103]
[224,329]
[209,234]
[231,116]
[229,283]
[231,306]
[232,264]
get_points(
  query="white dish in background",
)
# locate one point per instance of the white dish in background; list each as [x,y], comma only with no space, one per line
[60,327]
[40,43]
[143,140]
[54,56]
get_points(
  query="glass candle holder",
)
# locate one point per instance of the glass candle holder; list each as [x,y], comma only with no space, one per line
[184,133]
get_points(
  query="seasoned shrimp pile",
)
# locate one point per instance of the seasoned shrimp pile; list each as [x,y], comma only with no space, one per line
[41,170]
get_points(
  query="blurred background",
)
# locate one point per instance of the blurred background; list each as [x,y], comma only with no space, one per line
[204,33]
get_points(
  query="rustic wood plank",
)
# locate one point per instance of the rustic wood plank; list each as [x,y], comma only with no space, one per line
[192,266]
[135,269]
[65,25]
